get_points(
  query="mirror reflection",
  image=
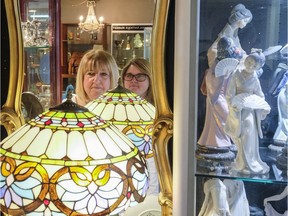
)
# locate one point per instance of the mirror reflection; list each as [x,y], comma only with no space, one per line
[57,33]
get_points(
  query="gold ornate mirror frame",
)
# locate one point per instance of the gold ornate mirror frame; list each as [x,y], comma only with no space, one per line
[11,117]
[163,125]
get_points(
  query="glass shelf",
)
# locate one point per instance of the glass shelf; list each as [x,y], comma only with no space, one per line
[37,47]
[275,175]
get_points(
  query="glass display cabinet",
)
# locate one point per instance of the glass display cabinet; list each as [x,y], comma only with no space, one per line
[238,151]
[239,144]
[127,41]
[38,31]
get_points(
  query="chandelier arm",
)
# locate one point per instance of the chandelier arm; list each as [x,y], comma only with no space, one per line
[79,3]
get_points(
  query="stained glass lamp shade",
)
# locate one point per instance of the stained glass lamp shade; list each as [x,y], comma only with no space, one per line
[130,113]
[68,161]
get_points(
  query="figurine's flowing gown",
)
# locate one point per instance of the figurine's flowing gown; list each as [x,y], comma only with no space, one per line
[244,126]
[236,197]
[281,133]
[213,134]
[215,202]
[227,198]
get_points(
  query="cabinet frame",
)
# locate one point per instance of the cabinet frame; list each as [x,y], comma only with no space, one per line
[186,87]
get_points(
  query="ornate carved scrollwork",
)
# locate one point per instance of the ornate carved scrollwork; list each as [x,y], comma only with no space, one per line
[10,115]
[163,125]
[163,131]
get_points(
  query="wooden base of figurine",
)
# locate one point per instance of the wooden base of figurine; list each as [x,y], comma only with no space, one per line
[213,159]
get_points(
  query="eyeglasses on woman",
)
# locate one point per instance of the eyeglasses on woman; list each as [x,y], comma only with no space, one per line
[139,77]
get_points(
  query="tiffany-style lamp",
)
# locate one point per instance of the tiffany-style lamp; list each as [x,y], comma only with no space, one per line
[134,116]
[130,113]
[68,161]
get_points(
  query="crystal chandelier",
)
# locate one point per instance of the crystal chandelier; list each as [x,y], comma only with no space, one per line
[34,32]
[91,23]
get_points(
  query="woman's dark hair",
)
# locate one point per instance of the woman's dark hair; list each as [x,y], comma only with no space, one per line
[258,56]
[240,12]
[227,49]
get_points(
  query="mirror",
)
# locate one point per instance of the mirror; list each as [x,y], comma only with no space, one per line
[12,118]
[54,43]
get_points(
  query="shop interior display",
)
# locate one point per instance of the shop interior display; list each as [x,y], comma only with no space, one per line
[231,172]
[244,89]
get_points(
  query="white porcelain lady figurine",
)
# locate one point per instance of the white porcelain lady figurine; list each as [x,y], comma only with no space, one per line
[213,134]
[236,197]
[227,198]
[240,16]
[247,107]
[215,202]
[281,133]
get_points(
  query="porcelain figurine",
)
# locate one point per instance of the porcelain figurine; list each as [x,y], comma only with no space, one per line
[247,107]
[240,16]
[215,202]
[236,197]
[213,134]
[281,133]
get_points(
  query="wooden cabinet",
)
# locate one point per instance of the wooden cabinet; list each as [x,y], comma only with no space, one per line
[74,44]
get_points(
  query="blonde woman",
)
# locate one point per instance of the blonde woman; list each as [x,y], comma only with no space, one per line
[97,73]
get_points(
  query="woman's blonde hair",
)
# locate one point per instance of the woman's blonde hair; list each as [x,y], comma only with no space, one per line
[144,66]
[95,59]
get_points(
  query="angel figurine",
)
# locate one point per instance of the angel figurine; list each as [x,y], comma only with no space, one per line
[247,107]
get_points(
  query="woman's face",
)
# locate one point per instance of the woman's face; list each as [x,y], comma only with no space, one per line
[141,86]
[251,65]
[242,23]
[96,82]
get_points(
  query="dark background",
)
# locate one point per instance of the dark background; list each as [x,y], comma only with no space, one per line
[5,53]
